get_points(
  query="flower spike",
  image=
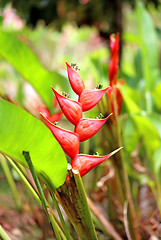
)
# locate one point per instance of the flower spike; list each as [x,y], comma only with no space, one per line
[114,44]
[113,66]
[85,163]
[87,128]
[69,141]
[75,80]
[71,109]
[89,98]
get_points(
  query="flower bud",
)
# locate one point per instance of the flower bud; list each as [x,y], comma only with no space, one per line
[85,163]
[71,109]
[75,80]
[89,98]
[113,66]
[69,141]
[87,128]
[114,44]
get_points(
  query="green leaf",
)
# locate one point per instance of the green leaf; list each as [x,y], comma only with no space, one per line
[157,161]
[149,44]
[130,135]
[156,93]
[128,96]
[27,64]
[148,133]
[20,131]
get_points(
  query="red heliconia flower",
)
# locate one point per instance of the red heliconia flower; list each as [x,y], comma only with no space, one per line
[89,98]
[69,141]
[113,66]
[85,163]
[71,109]
[87,128]
[75,80]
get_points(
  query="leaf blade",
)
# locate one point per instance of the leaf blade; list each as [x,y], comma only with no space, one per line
[20,131]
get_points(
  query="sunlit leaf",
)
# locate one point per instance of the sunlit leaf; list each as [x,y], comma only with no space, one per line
[149,44]
[157,95]
[148,133]
[146,38]
[128,98]
[20,56]
[157,160]
[20,131]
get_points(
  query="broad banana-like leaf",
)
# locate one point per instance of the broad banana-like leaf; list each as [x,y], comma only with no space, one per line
[20,131]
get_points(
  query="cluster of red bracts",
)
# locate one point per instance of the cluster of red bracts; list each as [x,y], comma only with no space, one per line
[84,128]
[113,74]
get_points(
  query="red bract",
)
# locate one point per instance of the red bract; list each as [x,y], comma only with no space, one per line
[113,70]
[114,44]
[71,109]
[85,163]
[76,81]
[69,141]
[118,98]
[113,66]
[89,98]
[86,128]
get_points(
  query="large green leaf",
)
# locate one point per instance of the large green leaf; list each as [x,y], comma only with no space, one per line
[20,131]
[27,64]
[148,36]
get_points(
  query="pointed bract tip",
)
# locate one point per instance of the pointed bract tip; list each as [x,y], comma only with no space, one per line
[115,151]
[75,80]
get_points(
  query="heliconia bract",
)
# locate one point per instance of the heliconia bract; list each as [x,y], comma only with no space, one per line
[71,109]
[113,71]
[69,141]
[89,98]
[75,80]
[85,163]
[114,44]
[113,65]
[87,128]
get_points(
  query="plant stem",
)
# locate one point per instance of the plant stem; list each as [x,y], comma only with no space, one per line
[34,193]
[3,234]
[120,168]
[42,197]
[72,197]
[10,180]
[24,179]
[61,217]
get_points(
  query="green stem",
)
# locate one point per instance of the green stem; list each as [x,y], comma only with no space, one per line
[25,181]
[120,168]
[10,180]
[42,197]
[3,234]
[34,193]
[60,216]
[72,197]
